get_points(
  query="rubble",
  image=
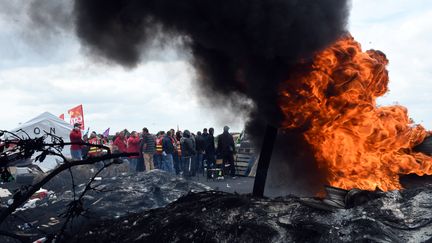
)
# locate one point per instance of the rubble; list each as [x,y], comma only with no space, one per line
[117,196]
[395,216]
[159,207]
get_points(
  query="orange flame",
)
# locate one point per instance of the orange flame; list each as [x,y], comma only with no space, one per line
[359,144]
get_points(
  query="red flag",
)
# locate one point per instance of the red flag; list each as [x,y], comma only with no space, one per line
[77,116]
[61,117]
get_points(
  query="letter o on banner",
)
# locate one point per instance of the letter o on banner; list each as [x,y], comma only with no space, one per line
[36,130]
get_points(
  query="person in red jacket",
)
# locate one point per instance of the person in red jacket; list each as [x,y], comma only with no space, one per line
[120,143]
[76,137]
[133,146]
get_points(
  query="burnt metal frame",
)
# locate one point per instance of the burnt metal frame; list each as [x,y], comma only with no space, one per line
[264,160]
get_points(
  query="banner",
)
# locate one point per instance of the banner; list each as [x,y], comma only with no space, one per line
[106,133]
[61,117]
[77,116]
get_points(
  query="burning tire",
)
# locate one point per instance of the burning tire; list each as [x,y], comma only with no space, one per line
[425,147]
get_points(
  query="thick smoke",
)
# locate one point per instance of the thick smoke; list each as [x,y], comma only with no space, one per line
[239,48]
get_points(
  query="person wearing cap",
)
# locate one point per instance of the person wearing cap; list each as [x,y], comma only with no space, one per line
[226,150]
[75,138]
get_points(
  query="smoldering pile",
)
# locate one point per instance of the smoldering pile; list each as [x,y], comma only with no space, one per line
[114,197]
[396,216]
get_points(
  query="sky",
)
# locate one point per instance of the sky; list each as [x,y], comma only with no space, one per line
[53,73]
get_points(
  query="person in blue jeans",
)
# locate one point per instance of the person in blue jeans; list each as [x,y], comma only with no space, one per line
[200,147]
[167,153]
[188,154]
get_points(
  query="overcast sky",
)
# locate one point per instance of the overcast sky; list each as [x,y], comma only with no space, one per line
[51,73]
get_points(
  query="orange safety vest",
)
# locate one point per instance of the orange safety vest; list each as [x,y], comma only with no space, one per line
[178,148]
[159,145]
[94,151]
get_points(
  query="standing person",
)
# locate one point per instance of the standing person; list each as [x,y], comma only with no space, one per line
[176,155]
[133,147]
[140,161]
[205,138]
[85,148]
[157,158]
[167,153]
[76,137]
[94,151]
[210,149]
[148,148]
[178,136]
[120,143]
[103,139]
[200,147]
[226,150]
[188,152]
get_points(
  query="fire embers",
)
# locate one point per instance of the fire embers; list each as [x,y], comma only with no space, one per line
[358,144]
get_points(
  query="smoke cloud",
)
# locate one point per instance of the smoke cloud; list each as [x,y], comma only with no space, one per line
[241,50]
[244,47]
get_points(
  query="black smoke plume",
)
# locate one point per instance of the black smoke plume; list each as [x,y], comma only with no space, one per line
[238,47]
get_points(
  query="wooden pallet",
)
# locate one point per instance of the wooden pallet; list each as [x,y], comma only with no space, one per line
[242,160]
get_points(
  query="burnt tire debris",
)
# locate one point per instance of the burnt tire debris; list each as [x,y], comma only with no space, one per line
[159,207]
[395,216]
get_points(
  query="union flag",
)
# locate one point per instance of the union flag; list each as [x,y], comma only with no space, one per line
[77,116]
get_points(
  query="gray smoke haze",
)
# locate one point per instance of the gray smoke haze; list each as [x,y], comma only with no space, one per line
[39,21]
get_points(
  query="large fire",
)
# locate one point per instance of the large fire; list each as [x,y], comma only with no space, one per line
[359,144]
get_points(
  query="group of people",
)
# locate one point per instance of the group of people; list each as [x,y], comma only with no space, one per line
[177,152]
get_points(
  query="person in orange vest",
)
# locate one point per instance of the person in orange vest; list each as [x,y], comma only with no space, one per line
[158,155]
[94,151]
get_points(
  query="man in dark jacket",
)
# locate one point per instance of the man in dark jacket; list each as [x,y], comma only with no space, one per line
[188,153]
[167,153]
[210,149]
[226,150]
[200,147]
[148,149]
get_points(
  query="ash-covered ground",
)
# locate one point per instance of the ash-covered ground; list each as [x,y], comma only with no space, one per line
[396,216]
[115,196]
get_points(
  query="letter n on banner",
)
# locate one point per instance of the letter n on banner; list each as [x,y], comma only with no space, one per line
[77,116]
